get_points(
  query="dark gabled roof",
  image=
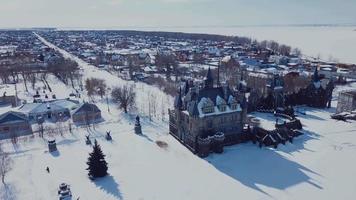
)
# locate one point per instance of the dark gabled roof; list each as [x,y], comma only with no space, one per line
[178,102]
[212,93]
[12,116]
[87,107]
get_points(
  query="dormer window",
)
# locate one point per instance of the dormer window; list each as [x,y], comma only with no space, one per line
[222,108]
[221,104]
[208,106]
[233,103]
[208,109]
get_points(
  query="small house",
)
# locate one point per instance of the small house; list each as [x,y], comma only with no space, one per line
[346,101]
[86,113]
[14,124]
[51,110]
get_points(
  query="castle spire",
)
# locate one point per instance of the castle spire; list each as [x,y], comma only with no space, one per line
[316,75]
[178,103]
[218,81]
[209,81]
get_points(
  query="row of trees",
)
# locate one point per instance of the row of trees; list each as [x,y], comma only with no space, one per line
[66,70]
[281,49]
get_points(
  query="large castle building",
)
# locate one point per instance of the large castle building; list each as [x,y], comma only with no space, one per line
[208,116]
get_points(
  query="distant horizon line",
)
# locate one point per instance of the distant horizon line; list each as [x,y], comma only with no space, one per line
[191,26]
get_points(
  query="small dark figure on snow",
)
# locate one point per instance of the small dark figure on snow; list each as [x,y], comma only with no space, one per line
[47,169]
[138,129]
[87,141]
[108,136]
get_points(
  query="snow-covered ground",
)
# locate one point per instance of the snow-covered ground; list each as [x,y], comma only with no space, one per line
[318,165]
[335,42]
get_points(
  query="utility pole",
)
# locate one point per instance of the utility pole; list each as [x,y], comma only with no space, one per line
[107,99]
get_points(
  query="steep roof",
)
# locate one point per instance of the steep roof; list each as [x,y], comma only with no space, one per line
[12,116]
[86,107]
[213,93]
[61,104]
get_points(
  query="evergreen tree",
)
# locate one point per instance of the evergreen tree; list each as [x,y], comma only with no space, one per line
[97,166]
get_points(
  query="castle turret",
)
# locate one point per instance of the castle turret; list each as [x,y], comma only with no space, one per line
[178,103]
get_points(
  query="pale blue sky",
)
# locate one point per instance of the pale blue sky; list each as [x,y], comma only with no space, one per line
[124,13]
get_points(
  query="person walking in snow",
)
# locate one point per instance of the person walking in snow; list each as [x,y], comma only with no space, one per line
[47,169]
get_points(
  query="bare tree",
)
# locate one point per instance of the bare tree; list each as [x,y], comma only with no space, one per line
[33,78]
[124,96]
[5,165]
[297,52]
[101,88]
[151,105]
[273,45]
[284,50]
[24,77]
[132,63]
[14,137]
[168,63]
[95,86]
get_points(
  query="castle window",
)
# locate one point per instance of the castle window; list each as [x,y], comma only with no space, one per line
[222,108]
[208,109]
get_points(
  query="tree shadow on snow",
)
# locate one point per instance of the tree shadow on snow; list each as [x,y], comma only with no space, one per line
[109,185]
[253,167]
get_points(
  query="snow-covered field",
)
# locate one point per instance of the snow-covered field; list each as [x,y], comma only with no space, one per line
[318,165]
[336,42]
